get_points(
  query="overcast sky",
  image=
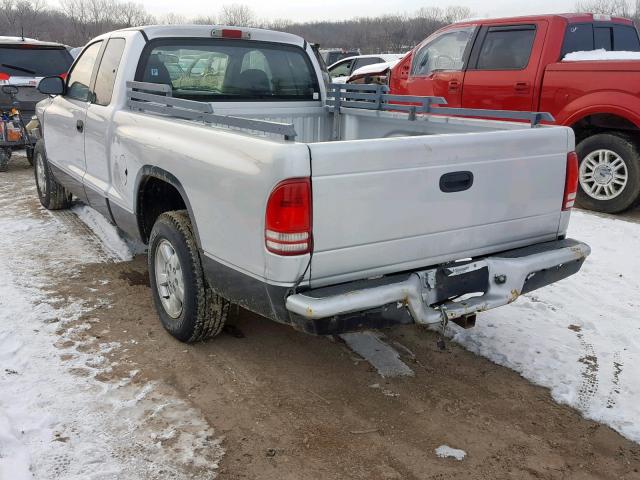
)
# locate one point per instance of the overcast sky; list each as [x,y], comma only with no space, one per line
[302,10]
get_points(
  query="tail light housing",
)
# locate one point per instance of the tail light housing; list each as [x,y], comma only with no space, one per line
[288,218]
[570,182]
[4,76]
[231,33]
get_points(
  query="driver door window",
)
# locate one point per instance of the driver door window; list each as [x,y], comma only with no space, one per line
[79,82]
[444,53]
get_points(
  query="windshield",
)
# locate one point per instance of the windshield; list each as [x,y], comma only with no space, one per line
[229,70]
[29,61]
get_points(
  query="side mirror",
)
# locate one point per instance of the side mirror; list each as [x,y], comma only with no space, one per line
[9,90]
[51,86]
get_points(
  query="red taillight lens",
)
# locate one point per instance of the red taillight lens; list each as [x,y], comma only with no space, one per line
[4,76]
[63,75]
[571,181]
[288,219]
[231,33]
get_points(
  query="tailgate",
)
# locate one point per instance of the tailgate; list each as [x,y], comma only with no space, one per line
[378,206]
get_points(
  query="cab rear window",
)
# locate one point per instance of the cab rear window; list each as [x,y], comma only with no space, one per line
[584,37]
[32,61]
[216,70]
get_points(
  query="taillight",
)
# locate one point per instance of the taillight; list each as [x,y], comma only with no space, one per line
[571,181]
[288,218]
[63,75]
[4,76]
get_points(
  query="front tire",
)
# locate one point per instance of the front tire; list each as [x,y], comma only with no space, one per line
[52,195]
[609,172]
[188,308]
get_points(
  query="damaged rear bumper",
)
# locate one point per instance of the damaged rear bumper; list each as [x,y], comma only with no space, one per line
[495,280]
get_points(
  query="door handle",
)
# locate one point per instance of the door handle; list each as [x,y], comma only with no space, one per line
[522,87]
[454,86]
[456,182]
[80,126]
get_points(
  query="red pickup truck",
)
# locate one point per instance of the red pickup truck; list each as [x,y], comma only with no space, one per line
[517,64]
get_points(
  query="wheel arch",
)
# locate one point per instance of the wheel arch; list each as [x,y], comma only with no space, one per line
[148,179]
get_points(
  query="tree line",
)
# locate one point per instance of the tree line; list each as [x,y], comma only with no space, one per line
[74,22]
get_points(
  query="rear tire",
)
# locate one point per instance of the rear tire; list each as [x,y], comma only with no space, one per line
[53,196]
[188,308]
[609,172]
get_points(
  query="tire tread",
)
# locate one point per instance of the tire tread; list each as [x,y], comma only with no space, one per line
[212,310]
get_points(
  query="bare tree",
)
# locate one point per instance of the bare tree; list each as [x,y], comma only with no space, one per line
[238,15]
[172,19]
[622,8]
[204,20]
[22,16]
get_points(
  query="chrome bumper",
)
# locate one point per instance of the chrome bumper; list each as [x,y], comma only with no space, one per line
[508,275]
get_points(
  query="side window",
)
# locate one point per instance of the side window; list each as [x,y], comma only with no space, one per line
[363,62]
[80,77]
[342,69]
[507,48]
[625,38]
[445,52]
[578,38]
[602,38]
[107,71]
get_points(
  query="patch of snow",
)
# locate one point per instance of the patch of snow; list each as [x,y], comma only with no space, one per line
[382,356]
[579,337]
[339,79]
[379,68]
[120,247]
[600,54]
[445,451]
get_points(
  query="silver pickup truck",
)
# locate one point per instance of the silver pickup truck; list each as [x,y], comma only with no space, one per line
[329,208]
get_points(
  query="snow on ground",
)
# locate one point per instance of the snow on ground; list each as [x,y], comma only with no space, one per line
[445,451]
[120,248]
[600,54]
[581,336]
[57,420]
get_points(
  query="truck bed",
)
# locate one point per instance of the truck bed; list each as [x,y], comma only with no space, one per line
[379,205]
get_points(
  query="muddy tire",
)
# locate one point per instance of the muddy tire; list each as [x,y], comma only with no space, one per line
[5,156]
[609,172]
[53,196]
[188,308]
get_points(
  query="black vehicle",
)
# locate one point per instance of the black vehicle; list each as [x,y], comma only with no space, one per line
[23,62]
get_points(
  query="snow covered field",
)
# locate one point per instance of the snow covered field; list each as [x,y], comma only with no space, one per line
[579,337]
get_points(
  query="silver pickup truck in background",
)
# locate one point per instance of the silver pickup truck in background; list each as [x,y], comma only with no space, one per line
[329,208]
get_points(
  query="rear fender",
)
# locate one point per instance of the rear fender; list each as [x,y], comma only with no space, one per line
[623,105]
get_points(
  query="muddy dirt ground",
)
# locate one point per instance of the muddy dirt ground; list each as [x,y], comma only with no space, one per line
[294,406]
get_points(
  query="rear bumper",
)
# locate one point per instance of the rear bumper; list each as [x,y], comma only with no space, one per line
[498,280]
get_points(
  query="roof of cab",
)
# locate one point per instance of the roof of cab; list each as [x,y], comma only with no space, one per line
[204,31]
[569,17]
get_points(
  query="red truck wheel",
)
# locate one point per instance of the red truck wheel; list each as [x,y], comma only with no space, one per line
[609,173]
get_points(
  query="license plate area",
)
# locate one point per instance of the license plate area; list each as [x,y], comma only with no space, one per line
[456,279]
